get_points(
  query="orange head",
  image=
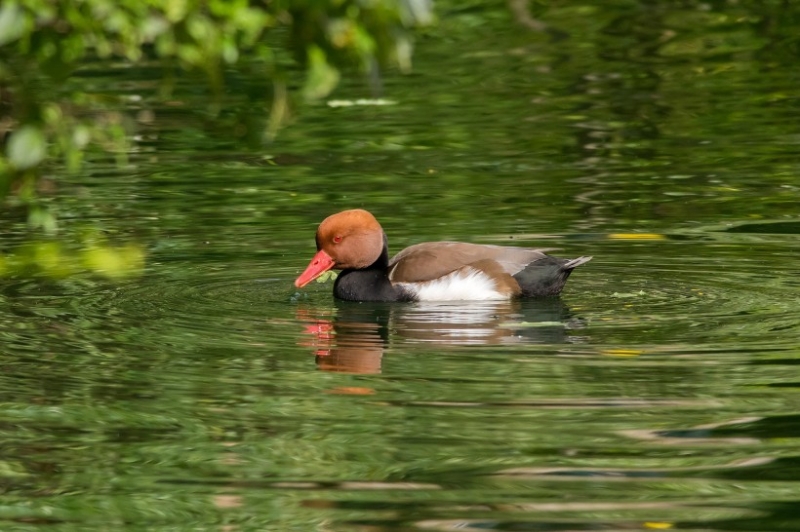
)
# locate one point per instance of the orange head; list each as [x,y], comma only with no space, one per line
[347,240]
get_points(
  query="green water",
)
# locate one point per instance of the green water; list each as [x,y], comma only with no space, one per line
[658,392]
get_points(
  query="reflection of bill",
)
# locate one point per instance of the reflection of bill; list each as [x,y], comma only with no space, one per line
[353,338]
[322,333]
[352,341]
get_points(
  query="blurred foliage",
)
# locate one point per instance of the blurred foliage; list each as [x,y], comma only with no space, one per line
[47,126]
[43,43]
[57,260]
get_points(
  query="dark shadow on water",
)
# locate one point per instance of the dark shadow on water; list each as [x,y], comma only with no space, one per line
[354,336]
[774,228]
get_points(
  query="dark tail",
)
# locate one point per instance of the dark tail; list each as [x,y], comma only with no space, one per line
[547,276]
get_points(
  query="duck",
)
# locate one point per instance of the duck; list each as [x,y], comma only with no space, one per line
[354,242]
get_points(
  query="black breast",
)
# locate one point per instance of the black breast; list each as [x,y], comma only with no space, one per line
[371,283]
[366,285]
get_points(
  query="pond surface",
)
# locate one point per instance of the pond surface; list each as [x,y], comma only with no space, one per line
[660,391]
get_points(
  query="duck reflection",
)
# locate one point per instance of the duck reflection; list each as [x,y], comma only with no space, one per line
[349,339]
[352,337]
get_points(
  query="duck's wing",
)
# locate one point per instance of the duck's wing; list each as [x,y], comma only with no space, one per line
[432,260]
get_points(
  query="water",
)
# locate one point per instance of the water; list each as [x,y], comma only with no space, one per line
[658,392]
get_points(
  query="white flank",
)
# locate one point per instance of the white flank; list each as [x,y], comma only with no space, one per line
[463,285]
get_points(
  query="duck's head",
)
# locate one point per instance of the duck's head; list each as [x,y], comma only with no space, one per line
[348,240]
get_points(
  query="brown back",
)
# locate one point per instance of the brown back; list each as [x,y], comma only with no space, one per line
[431,260]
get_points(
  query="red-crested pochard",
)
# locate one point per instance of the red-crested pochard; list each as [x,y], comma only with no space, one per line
[353,241]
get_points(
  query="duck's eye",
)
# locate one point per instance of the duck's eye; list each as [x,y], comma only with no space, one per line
[337,239]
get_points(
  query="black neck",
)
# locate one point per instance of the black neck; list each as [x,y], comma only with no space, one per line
[370,283]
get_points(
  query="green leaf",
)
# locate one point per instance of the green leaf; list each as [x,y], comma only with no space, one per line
[12,22]
[26,147]
[322,78]
[44,219]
